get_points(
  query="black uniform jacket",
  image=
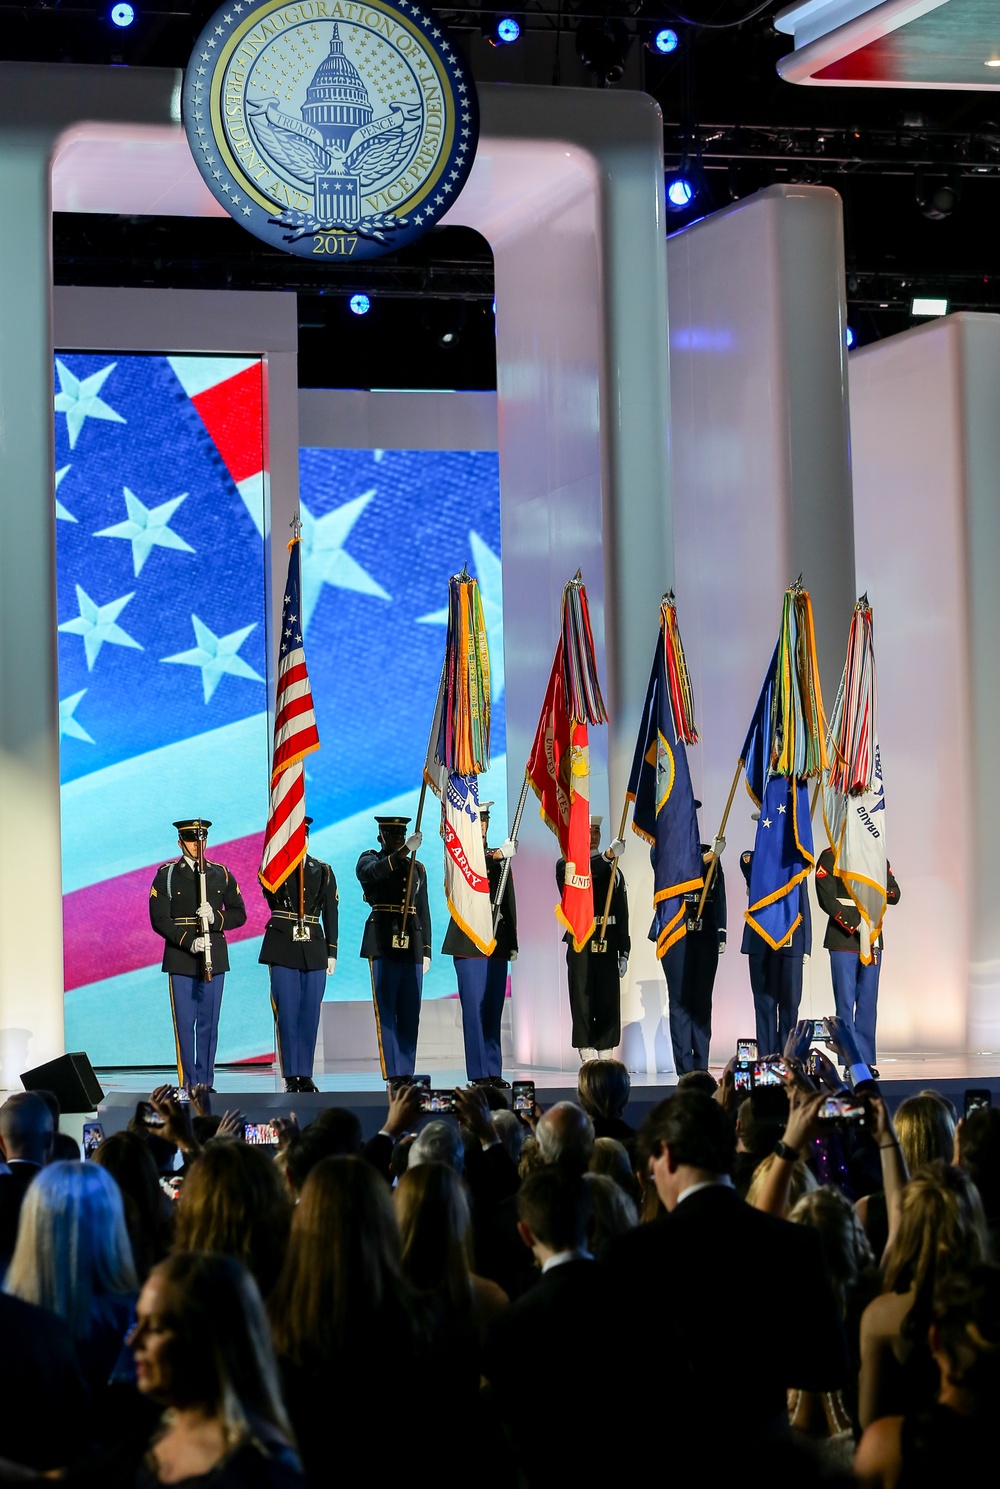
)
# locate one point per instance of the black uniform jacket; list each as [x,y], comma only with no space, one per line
[713,917]
[321,908]
[842,930]
[801,942]
[174,916]
[457,943]
[601,870]
[382,877]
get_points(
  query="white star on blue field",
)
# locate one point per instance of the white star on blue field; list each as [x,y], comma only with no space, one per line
[79,399]
[217,656]
[62,513]
[98,624]
[147,528]
[68,724]
[324,559]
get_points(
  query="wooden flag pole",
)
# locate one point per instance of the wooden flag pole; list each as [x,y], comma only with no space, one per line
[505,871]
[602,944]
[402,941]
[812,804]
[720,834]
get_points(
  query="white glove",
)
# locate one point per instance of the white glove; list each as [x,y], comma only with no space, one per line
[200,943]
[718,844]
[413,841]
[617,847]
[805,956]
[512,957]
[507,848]
[722,947]
[427,965]
[331,965]
[622,965]
[206,915]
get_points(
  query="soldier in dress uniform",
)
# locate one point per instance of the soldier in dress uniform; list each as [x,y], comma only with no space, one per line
[188,928]
[855,986]
[595,973]
[399,957]
[482,980]
[690,966]
[776,975]
[300,959]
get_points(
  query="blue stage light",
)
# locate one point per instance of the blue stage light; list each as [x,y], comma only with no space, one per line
[122,14]
[508,30]
[360,304]
[666,40]
[680,192]
[849,338]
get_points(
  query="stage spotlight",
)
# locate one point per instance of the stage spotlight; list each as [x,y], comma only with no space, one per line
[500,31]
[664,40]
[936,201]
[602,47]
[122,15]
[680,192]
[360,304]
[849,338]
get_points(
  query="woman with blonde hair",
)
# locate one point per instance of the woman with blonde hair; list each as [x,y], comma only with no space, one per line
[942,1231]
[73,1257]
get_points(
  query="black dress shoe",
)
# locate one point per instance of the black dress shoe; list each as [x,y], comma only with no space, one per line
[482,1080]
[306,1083]
[292,1083]
[499,1082]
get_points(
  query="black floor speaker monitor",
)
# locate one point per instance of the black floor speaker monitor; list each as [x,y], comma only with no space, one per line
[71,1077]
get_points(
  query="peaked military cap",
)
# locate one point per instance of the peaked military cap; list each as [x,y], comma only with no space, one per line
[193,829]
[392,821]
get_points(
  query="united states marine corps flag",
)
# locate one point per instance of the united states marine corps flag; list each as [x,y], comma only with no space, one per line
[457,751]
[660,783]
[295,737]
[853,798]
[558,770]
[783,749]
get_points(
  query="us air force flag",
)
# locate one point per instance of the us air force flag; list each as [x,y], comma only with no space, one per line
[856,827]
[664,813]
[466,878]
[783,849]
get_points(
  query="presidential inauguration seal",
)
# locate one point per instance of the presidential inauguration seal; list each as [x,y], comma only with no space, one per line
[328,126]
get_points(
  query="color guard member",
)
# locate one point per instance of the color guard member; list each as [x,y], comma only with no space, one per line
[399,956]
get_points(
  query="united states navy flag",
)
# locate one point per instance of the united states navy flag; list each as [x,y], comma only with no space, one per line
[664,813]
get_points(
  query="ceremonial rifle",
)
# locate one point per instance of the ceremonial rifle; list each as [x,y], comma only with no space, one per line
[204,911]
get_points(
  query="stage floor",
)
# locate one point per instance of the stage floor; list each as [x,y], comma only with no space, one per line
[258,1091]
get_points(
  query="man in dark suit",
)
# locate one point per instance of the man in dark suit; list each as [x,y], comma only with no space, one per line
[26,1131]
[482,980]
[595,973]
[855,983]
[555,1326]
[189,930]
[301,957]
[46,1422]
[399,955]
[776,973]
[720,1279]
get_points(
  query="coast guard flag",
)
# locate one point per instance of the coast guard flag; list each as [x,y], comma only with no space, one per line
[783,849]
[466,880]
[295,737]
[856,828]
[664,811]
[559,774]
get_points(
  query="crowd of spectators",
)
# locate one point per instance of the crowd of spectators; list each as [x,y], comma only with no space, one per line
[539,1300]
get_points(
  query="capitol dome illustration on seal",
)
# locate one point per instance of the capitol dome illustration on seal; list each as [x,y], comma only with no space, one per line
[330,127]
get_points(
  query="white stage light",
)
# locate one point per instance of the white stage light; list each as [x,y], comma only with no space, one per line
[928,305]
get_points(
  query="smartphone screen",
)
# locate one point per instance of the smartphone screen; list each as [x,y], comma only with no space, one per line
[147,1115]
[439,1102]
[841,1109]
[259,1135]
[766,1073]
[523,1097]
[93,1137]
[978,1100]
[746,1049]
[743,1077]
[819,1031]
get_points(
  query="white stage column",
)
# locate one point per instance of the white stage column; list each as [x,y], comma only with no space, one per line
[568,189]
[36,104]
[761,492]
[926,448]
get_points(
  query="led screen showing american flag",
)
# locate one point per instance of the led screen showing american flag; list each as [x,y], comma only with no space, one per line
[161,566]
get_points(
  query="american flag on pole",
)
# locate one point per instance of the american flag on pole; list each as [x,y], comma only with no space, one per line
[295,737]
